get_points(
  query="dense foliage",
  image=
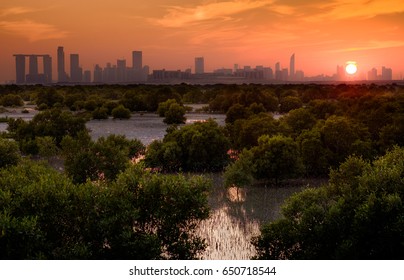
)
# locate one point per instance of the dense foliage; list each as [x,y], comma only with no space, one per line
[11,100]
[358,215]
[201,146]
[274,158]
[53,123]
[9,152]
[172,112]
[102,159]
[43,215]
[120,112]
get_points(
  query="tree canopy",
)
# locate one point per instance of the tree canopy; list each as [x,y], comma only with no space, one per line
[358,215]
[201,146]
[43,215]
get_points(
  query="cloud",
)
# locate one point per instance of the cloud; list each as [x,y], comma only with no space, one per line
[342,9]
[33,31]
[15,11]
[179,16]
[371,45]
[367,8]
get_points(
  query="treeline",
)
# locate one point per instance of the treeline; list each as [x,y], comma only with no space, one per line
[277,131]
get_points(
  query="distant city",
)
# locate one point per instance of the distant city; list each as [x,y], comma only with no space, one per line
[121,73]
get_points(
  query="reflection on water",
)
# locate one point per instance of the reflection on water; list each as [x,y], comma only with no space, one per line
[3,127]
[145,127]
[236,217]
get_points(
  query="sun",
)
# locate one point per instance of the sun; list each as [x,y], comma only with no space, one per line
[351,68]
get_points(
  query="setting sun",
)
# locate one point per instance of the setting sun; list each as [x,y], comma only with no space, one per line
[351,67]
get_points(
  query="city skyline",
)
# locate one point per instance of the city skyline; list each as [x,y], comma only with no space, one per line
[137,73]
[173,32]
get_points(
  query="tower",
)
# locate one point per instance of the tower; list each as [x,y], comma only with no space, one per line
[62,77]
[137,63]
[76,73]
[33,65]
[278,72]
[292,67]
[47,68]
[121,71]
[97,74]
[199,65]
[387,74]
[34,76]
[20,68]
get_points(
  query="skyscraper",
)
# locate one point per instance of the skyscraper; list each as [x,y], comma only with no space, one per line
[292,67]
[33,65]
[340,76]
[137,63]
[121,71]
[20,68]
[278,72]
[87,76]
[199,65]
[277,66]
[62,77]
[372,74]
[76,73]
[33,76]
[47,68]
[387,74]
[97,74]
[137,66]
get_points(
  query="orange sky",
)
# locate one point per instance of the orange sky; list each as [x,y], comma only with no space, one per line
[171,33]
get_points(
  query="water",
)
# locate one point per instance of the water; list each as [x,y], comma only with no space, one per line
[236,214]
[146,126]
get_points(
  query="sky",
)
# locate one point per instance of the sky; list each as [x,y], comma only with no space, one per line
[171,33]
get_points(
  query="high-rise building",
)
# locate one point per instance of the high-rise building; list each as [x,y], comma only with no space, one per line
[137,66]
[33,65]
[47,68]
[340,76]
[87,76]
[137,63]
[268,73]
[199,65]
[299,75]
[76,73]
[33,76]
[121,71]
[285,74]
[372,74]
[62,77]
[97,74]
[278,72]
[292,67]
[20,68]
[277,66]
[387,74]
[145,72]
[109,73]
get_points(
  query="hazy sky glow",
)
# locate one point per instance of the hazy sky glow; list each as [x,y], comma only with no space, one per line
[171,33]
